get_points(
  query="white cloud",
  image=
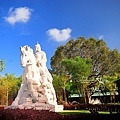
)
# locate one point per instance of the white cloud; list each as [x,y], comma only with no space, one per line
[100,37]
[21,14]
[59,35]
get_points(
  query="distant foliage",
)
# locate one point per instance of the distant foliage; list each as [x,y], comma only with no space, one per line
[2,65]
[9,85]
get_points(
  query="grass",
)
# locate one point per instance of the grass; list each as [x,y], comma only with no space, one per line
[75,112]
[66,112]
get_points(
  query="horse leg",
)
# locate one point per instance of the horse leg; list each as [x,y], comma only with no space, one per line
[19,95]
[33,92]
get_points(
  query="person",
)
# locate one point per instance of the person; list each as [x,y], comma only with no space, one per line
[45,74]
[40,56]
[41,62]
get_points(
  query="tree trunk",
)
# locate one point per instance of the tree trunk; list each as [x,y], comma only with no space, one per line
[86,97]
[65,97]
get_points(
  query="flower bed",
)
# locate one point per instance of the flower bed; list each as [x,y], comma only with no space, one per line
[29,114]
[2,107]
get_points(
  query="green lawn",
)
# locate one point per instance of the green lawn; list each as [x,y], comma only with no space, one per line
[66,112]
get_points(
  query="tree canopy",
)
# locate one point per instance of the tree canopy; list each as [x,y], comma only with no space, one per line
[84,60]
[9,85]
[104,60]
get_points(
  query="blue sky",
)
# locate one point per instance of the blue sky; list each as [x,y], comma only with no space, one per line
[53,23]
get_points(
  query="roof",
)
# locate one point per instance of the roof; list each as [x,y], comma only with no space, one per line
[95,94]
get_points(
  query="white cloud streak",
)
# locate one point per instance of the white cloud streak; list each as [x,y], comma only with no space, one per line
[20,15]
[100,37]
[59,35]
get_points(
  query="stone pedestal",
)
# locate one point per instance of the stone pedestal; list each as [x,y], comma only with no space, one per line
[38,106]
[54,108]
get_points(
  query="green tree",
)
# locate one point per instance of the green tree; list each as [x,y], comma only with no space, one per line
[111,86]
[78,69]
[61,84]
[104,60]
[118,88]
[2,65]
[9,85]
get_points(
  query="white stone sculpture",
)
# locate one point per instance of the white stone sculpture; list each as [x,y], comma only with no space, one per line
[36,89]
[44,73]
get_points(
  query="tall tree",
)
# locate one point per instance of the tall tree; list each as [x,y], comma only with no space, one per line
[104,60]
[9,85]
[78,69]
[61,85]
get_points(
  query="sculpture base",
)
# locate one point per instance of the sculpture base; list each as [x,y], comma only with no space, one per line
[54,108]
[38,106]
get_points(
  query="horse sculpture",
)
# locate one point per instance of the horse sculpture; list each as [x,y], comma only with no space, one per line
[36,80]
[30,75]
[36,89]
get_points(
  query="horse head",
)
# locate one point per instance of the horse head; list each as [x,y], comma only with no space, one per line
[27,56]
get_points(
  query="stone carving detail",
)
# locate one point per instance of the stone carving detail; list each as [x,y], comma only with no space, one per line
[36,89]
